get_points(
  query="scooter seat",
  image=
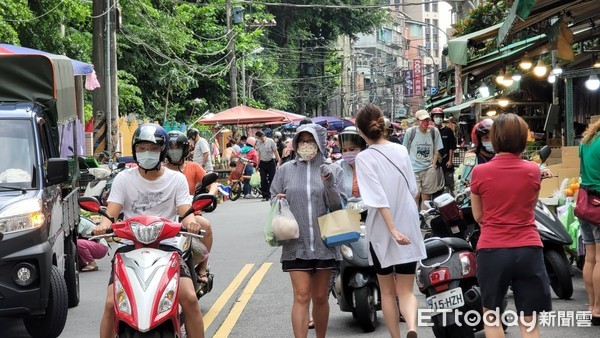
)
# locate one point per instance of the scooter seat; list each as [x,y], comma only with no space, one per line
[439,247]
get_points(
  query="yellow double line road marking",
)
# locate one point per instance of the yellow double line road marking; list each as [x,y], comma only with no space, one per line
[243,300]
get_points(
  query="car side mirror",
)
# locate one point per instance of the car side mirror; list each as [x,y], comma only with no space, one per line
[57,170]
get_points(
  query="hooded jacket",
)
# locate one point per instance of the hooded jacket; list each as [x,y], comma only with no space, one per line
[309,197]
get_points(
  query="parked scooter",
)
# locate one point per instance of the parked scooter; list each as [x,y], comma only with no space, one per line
[146,280]
[100,187]
[356,287]
[448,276]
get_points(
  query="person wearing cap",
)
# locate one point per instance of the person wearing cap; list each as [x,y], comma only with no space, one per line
[447,153]
[269,160]
[423,143]
[451,123]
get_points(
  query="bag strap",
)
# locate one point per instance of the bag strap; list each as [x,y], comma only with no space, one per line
[394,164]
[411,136]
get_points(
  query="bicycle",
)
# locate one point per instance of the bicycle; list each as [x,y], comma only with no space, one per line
[237,177]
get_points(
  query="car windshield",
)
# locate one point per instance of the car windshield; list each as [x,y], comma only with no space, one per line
[17,153]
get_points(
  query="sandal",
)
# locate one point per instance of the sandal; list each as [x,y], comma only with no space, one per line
[311,324]
[89,267]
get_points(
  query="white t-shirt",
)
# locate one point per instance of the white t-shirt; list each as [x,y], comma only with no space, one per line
[200,148]
[382,186]
[422,148]
[160,197]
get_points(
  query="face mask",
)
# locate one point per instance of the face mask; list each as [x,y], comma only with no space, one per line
[488,146]
[437,120]
[175,154]
[307,150]
[349,157]
[424,124]
[148,159]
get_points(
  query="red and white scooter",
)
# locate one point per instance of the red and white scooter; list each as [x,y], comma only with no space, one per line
[146,279]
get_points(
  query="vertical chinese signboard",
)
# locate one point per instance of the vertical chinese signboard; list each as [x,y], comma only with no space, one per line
[418,76]
[408,83]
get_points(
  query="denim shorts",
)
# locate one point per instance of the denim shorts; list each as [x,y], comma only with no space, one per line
[589,232]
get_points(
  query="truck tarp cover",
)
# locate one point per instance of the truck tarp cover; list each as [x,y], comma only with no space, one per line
[47,80]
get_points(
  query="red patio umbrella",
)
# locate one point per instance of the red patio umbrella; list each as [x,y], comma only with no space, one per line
[242,115]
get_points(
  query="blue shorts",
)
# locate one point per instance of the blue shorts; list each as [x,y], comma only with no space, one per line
[589,232]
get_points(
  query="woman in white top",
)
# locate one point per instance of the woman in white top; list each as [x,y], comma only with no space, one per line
[388,187]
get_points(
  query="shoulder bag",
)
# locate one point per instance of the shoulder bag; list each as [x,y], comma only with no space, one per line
[587,206]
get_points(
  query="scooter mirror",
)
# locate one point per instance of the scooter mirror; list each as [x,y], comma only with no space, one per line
[545,153]
[209,179]
[89,203]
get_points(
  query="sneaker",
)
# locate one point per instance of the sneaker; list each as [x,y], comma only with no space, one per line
[247,196]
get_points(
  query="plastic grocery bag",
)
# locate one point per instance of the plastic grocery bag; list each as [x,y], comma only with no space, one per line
[255,179]
[571,223]
[269,234]
[284,223]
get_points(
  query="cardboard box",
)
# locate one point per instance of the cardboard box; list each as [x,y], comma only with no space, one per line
[549,185]
[556,153]
[554,168]
[553,161]
[567,173]
[570,151]
[570,162]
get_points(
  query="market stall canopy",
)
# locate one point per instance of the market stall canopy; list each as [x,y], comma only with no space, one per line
[455,110]
[458,47]
[242,115]
[291,117]
[79,68]
[534,15]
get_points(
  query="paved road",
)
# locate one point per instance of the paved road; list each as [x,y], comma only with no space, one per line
[252,297]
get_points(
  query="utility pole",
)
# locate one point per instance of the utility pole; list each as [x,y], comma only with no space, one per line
[232,60]
[108,83]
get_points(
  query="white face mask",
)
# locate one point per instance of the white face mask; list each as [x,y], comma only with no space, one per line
[488,146]
[175,154]
[437,120]
[148,159]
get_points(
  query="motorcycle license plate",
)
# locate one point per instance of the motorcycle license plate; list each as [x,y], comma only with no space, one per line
[450,299]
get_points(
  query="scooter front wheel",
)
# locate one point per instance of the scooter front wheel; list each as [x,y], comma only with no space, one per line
[236,191]
[366,313]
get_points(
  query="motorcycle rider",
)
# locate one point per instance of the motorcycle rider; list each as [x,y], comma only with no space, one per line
[351,144]
[177,152]
[152,190]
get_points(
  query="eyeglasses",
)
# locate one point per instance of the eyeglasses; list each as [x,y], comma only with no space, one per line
[148,147]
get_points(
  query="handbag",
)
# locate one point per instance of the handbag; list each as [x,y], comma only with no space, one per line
[340,227]
[587,207]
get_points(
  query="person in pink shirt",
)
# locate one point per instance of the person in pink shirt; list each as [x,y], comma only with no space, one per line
[504,192]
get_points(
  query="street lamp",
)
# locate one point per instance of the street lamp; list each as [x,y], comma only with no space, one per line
[254,52]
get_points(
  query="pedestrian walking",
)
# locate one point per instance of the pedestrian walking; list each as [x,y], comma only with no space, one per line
[202,151]
[446,157]
[388,187]
[589,152]
[423,143]
[269,160]
[312,188]
[504,192]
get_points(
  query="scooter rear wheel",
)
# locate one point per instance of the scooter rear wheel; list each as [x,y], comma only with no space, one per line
[559,272]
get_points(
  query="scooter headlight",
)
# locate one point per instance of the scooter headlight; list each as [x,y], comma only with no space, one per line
[347,252]
[121,298]
[168,297]
[146,234]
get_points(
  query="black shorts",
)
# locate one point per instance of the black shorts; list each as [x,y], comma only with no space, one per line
[310,265]
[184,271]
[524,269]
[400,269]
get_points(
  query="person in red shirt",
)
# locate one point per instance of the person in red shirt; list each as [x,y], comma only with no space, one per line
[504,192]
[177,152]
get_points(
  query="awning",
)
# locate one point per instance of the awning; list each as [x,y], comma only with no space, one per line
[440,102]
[458,47]
[455,110]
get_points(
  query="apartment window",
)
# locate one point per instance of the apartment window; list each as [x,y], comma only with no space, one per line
[434,7]
[435,23]
[435,37]
[426,4]
[427,37]
[428,82]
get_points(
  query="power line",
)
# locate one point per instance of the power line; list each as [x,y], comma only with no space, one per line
[107,11]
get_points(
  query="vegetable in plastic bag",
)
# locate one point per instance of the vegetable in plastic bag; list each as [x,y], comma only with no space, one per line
[284,223]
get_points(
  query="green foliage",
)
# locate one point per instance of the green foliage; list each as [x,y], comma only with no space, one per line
[171,52]
[485,15]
